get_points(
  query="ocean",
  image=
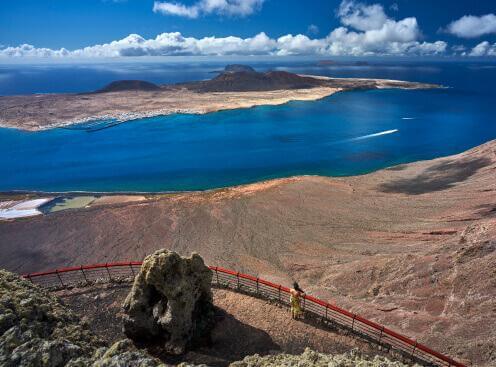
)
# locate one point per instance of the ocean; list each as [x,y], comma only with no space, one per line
[345,134]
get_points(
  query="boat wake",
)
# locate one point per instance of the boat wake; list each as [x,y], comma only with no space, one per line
[408,118]
[369,136]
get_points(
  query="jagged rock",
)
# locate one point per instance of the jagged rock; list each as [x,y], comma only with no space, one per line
[170,301]
[310,358]
[36,329]
[122,353]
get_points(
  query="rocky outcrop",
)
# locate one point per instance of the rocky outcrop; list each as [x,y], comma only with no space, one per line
[122,353]
[315,359]
[36,329]
[170,301]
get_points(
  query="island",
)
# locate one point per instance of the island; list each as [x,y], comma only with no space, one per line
[237,86]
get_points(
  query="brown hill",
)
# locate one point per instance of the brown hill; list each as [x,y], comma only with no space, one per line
[128,85]
[244,81]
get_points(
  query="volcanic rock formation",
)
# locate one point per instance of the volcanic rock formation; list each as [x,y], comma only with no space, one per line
[36,329]
[315,359]
[170,301]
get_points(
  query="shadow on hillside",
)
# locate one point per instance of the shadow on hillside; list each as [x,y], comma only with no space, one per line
[438,177]
[231,341]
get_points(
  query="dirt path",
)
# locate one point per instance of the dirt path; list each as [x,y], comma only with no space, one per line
[245,326]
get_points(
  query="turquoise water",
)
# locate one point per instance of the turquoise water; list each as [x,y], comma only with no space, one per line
[345,134]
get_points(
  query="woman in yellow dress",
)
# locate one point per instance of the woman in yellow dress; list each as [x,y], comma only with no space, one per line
[295,299]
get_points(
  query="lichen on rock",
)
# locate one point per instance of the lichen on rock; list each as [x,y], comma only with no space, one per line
[310,358]
[37,330]
[170,302]
[121,353]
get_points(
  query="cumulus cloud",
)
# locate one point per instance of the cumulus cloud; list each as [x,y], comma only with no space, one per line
[369,31]
[26,50]
[360,16]
[470,26]
[484,49]
[204,7]
[366,30]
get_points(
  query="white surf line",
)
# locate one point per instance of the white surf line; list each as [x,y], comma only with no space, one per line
[408,118]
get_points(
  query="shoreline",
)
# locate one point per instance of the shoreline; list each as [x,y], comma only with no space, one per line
[242,186]
[50,111]
[317,94]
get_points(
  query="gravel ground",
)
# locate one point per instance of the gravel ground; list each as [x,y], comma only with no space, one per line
[245,326]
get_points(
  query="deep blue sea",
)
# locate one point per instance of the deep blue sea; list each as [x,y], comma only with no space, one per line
[346,134]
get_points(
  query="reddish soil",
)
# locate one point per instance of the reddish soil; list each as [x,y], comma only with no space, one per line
[412,247]
[245,326]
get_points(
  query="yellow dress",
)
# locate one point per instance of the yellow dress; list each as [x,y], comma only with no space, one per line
[294,299]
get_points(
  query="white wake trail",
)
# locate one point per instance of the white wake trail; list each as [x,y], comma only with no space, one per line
[386,132]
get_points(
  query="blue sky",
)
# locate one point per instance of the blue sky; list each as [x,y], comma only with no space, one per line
[55,28]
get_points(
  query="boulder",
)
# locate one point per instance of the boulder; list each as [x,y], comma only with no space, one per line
[170,302]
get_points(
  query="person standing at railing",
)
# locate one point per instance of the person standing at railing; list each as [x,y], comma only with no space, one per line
[296,293]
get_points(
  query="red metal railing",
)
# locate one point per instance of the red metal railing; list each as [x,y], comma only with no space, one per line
[326,312]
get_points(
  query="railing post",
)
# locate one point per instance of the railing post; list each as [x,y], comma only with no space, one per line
[217,275]
[132,270]
[279,293]
[84,275]
[414,347]
[353,322]
[326,312]
[257,285]
[237,277]
[380,336]
[29,277]
[108,271]
[60,279]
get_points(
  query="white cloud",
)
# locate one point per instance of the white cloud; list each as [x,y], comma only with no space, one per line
[470,26]
[389,40]
[204,7]
[360,16]
[374,33]
[26,50]
[176,9]
[299,45]
[366,30]
[483,49]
